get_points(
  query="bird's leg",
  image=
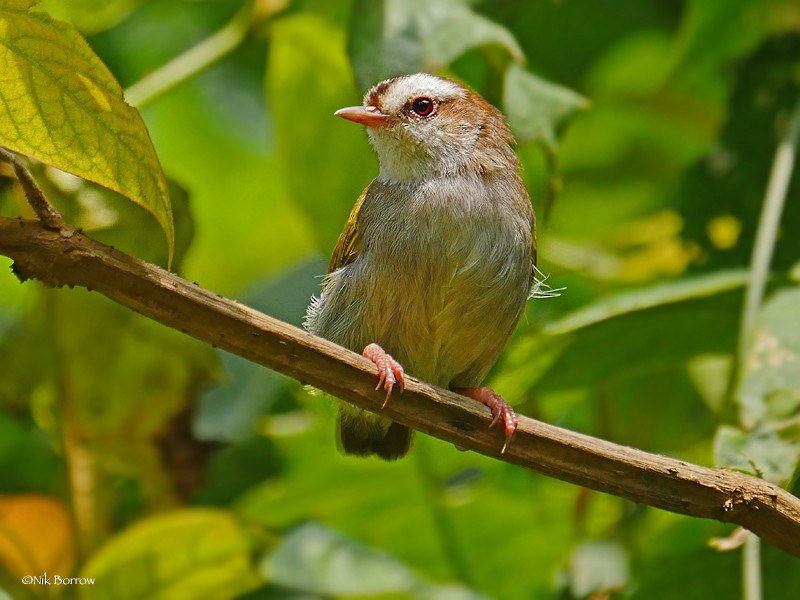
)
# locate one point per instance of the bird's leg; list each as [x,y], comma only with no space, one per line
[389,370]
[501,410]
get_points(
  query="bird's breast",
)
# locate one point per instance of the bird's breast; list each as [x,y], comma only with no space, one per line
[447,268]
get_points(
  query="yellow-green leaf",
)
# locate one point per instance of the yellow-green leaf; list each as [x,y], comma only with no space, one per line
[190,553]
[61,105]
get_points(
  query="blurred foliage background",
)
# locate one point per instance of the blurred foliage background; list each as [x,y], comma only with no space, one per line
[166,469]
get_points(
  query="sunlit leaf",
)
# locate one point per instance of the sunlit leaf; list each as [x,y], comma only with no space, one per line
[108,218]
[193,553]
[62,106]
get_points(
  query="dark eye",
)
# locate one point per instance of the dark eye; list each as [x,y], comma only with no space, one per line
[423,107]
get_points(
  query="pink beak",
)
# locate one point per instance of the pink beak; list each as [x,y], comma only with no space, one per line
[366,115]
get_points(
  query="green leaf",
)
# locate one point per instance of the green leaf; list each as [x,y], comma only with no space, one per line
[61,105]
[383,504]
[714,33]
[666,293]
[192,553]
[228,411]
[449,592]
[396,37]
[535,108]
[770,387]
[760,452]
[634,367]
[317,150]
[597,568]
[711,376]
[316,559]
[89,16]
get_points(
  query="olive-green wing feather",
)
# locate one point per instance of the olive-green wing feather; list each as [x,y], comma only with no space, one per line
[349,242]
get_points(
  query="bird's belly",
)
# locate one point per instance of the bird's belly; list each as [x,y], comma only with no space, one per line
[445,313]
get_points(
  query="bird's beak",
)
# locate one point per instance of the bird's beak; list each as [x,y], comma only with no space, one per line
[366,115]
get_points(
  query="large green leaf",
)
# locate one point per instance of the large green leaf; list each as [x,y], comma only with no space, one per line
[535,107]
[768,445]
[770,387]
[193,553]
[760,452]
[650,297]
[316,559]
[62,106]
[395,37]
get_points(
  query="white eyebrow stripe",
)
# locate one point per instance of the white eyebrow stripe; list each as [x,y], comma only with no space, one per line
[396,92]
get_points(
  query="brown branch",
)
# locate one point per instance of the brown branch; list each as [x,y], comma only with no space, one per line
[44,210]
[66,257]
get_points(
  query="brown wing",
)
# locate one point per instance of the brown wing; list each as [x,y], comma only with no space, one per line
[349,242]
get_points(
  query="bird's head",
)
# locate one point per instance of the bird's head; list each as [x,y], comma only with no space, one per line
[425,126]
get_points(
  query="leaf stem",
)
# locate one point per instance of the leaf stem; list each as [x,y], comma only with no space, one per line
[45,211]
[194,60]
[751,572]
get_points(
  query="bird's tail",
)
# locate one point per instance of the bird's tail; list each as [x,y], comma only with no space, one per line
[366,434]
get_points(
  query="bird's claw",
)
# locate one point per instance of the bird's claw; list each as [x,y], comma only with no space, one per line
[390,372]
[501,410]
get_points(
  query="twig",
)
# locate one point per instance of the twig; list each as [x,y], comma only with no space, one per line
[45,211]
[67,257]
[751,568]
[194,60]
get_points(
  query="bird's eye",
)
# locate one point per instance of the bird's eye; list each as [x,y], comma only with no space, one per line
[423,107]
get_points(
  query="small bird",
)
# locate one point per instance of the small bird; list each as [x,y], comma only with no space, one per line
[438,256]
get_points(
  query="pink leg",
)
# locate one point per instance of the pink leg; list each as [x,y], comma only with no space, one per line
[501,410]
[389,370]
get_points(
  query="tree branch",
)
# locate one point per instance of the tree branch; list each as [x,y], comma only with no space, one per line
[67,257]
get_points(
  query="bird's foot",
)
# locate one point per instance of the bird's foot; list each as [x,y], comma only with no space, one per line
[501,410]
[390,372]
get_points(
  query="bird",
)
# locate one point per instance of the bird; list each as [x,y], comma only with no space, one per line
[437,258]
